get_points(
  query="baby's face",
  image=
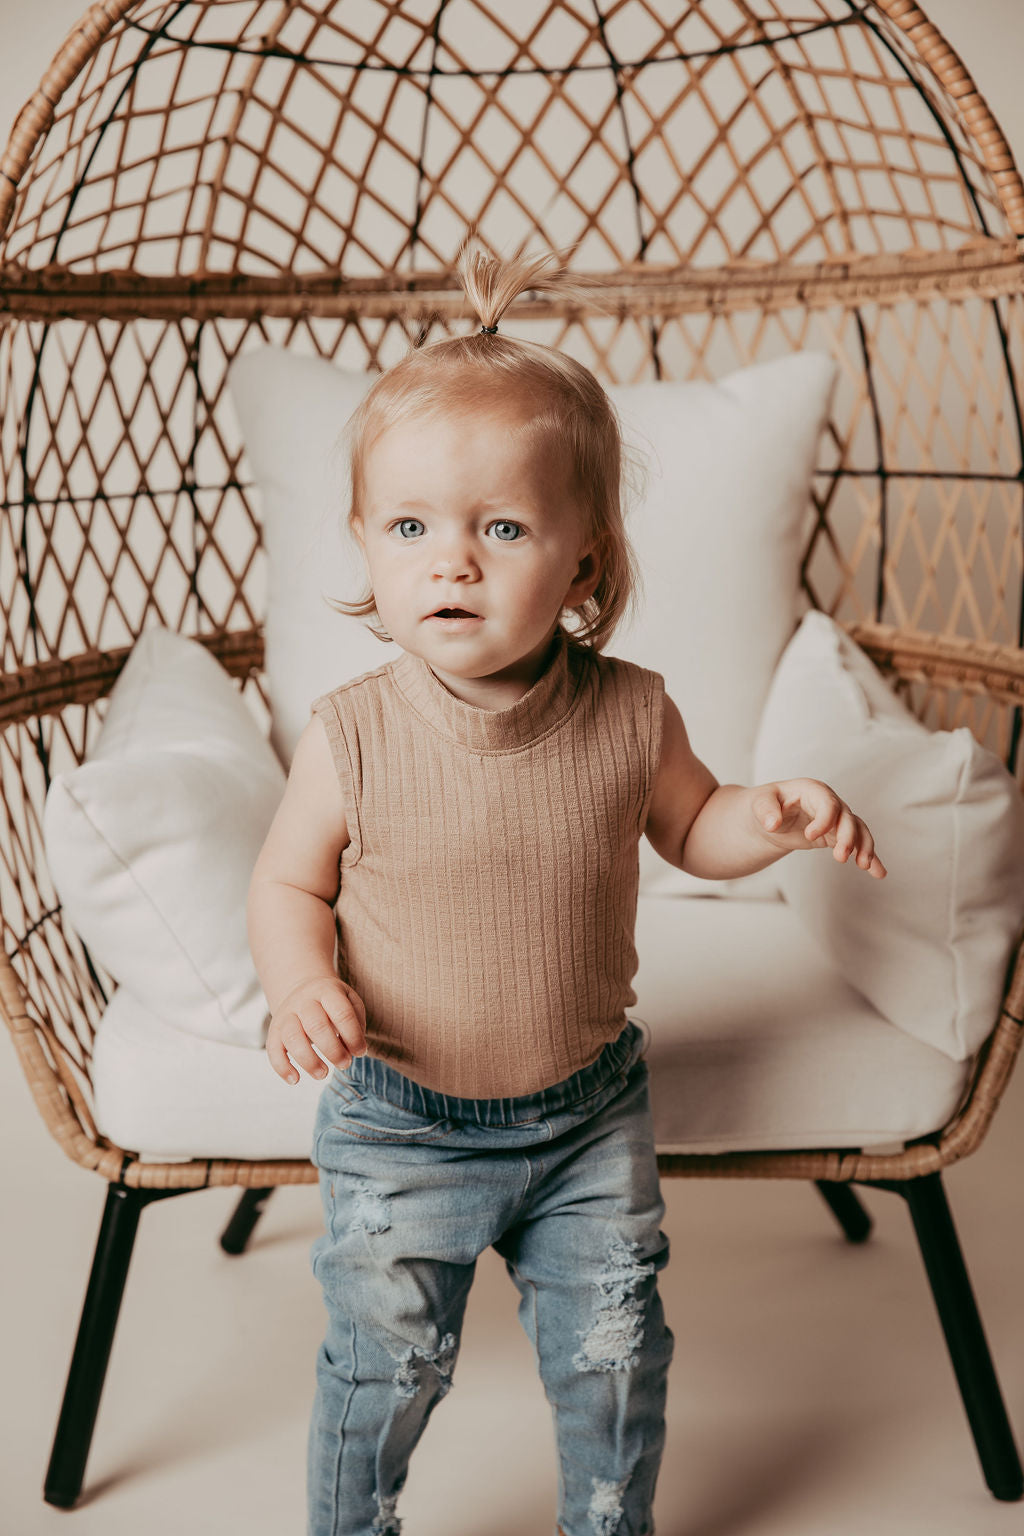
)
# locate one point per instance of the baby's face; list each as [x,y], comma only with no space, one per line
[471,513]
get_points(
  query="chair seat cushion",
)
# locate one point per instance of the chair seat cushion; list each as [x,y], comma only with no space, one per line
[756,1043]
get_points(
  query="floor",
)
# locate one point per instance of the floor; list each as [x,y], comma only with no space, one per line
[811,1393]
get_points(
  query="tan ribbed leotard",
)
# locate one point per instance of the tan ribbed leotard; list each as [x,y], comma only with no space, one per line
[488,894]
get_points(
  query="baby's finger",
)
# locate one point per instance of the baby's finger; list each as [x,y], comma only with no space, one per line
[865,844]
[297,1044]
[349,1024]
[278,1058]
[324,1037]
[824,806]
[767,808]
[846,835]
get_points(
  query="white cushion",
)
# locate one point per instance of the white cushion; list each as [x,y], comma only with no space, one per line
[292,410]
[758,1043]
[755,1043]
[152,840]
[719,537]
[171,1095]
[929,944]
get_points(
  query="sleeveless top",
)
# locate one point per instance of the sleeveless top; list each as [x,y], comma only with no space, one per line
[487,898]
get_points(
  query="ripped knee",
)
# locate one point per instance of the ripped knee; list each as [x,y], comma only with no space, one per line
[410,1376]
[613,1341]
[409,1372]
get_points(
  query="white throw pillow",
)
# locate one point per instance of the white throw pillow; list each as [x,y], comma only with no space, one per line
[292,410]
[152,840]
[929,944]
[719,536]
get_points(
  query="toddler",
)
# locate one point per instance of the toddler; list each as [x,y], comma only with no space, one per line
[444,909]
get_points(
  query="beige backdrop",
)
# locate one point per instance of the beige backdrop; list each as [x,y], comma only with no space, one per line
[811,1396]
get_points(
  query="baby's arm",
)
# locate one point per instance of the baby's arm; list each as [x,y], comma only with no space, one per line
[719,831]
[290,919]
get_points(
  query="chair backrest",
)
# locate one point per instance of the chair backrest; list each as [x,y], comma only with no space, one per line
[191,180]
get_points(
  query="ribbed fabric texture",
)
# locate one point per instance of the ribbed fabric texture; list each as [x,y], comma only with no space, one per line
[488,893]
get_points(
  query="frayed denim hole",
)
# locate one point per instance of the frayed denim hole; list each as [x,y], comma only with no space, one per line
[372,1211]
[408,1378]
[386,1521]
[605,1512]
[612,1343]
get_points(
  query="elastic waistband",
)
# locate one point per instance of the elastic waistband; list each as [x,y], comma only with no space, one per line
[386,1082]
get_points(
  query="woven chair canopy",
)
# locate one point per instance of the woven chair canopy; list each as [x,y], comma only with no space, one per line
[735,179]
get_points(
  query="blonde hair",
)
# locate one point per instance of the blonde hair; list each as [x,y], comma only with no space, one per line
[571,412]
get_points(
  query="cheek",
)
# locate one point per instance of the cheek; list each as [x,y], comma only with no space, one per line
[382,562]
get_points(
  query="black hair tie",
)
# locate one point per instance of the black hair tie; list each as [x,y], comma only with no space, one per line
[492,330]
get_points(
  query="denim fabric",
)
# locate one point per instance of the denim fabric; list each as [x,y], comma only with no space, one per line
[563,1183]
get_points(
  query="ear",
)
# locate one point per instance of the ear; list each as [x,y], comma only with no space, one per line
[356,525]
[588,574]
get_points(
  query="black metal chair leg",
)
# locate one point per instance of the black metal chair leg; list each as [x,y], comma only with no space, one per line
[847,1209]
[95,1337]
[968,1347]
[245,1216]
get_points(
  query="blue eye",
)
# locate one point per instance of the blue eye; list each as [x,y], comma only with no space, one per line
[505,524]
[508,531]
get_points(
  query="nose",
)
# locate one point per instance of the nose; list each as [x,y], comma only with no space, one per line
[454,558]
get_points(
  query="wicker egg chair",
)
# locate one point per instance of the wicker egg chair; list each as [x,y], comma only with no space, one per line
[738,181]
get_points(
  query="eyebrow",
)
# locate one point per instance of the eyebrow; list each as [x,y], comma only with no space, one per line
[389,508]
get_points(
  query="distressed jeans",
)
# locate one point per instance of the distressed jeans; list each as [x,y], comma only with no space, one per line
[563,1183]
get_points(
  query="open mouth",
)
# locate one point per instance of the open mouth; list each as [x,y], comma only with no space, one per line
[454,613]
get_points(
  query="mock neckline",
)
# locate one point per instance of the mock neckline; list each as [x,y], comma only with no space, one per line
[543,707]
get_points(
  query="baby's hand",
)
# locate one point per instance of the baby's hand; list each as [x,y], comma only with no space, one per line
[325,1013]
[805,813]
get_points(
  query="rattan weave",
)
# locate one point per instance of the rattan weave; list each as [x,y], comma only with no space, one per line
[738,178]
